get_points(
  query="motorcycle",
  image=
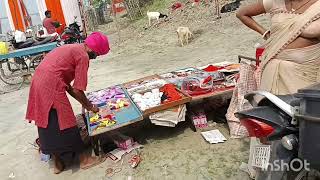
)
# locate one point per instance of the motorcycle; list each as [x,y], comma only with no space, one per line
[20,40]
[290,123]
[72,34]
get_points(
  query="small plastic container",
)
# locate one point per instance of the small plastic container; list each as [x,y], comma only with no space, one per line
[122,141]
[45,157]
[259,52]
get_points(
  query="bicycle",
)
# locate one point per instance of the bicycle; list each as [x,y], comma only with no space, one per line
[18,66]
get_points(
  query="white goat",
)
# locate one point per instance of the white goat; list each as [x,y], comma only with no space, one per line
[155,15]
[184,34]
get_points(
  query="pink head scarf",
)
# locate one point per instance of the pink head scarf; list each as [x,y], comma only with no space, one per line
[98,42]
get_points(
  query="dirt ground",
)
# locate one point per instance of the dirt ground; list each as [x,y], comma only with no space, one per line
[168,153]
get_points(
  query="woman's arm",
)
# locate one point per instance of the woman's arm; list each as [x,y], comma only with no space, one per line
[246,13]
[81,97]
[312,31]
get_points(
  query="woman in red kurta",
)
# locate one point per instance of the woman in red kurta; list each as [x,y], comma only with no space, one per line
[48,104]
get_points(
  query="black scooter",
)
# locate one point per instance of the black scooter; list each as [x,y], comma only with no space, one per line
[291,124]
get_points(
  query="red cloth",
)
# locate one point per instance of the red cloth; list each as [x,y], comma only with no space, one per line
[48,24]
[212,68]
[176,5]
[50,81]
[170,91]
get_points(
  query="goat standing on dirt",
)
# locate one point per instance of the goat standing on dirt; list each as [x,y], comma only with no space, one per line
[155,15]
[184,34]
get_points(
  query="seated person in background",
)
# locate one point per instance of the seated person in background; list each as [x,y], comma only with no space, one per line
[49,23]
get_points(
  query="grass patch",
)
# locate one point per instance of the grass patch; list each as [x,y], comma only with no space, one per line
[158,5]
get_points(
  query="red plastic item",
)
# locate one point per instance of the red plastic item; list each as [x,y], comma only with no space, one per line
[259,52]
[197,86]
[134,161]
[256,128]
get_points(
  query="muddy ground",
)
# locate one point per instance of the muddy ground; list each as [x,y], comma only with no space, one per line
[168,153]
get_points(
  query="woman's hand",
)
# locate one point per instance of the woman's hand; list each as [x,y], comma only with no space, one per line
[246,13]
[94,109]
[81,97]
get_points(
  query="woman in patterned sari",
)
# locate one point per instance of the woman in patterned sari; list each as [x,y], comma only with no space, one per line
[291,59]
[292,50]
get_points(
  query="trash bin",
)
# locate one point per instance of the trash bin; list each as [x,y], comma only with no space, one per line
[309,125]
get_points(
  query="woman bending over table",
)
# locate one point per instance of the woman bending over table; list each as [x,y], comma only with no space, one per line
[48,104]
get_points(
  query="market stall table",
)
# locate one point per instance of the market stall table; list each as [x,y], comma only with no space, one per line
[214,87]
[133,101]
[227,92]
[203,83]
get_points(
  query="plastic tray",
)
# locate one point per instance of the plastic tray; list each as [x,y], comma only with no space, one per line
[124,117]
[185,98]
[177,80]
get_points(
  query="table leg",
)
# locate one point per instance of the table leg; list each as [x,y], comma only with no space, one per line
[95,142]
[191,124]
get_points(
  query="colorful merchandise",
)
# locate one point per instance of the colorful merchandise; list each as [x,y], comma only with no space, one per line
[177,77]
[102,119]
[217,76]
[110,101]
[146,93]
[225,67]
[146,85]
[197,85]
[148,100]
[170,93]
[122,141]
[188,72]
[212,68]
[199,119]
[113,96]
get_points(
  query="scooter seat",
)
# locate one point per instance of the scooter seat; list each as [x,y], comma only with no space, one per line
[290,99]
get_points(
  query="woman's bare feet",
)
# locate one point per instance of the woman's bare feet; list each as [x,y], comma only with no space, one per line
[58,164]
[87,162]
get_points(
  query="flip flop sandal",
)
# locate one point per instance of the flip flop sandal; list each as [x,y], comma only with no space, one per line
[101,160]
[135,160]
